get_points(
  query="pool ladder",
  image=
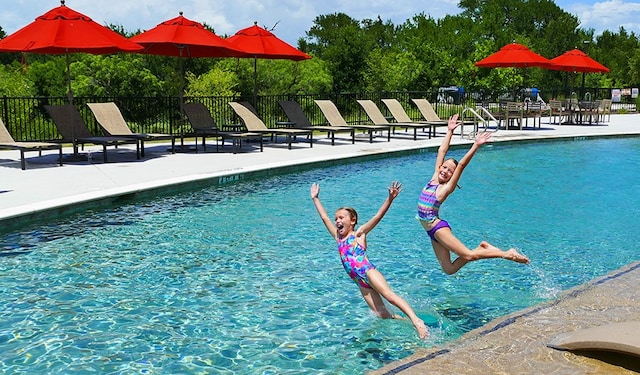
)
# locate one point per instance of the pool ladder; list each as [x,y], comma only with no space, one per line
[479,120]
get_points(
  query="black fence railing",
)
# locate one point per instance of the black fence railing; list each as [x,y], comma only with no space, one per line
[27,120]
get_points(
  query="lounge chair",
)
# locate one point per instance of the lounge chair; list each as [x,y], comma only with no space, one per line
[333,116]
[254,124]
[8,143]
[296,115]
[113,123]
[378,118]
[204,126]
[398,112]
[429,114]
[73,129]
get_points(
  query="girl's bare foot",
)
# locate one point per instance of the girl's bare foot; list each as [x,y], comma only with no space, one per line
[515,256]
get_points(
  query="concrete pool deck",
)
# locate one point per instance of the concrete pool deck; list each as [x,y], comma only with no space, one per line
[512,344]
[517,343]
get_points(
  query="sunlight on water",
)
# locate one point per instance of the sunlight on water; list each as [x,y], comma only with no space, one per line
[243,278]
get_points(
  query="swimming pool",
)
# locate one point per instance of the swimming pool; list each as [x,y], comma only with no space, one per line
[244,279]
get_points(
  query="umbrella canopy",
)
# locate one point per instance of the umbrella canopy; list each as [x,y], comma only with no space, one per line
[62,30]
[183,37]
[513,55]
[258,42]
[576,61]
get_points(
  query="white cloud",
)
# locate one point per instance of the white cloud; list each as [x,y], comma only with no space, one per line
[607,15]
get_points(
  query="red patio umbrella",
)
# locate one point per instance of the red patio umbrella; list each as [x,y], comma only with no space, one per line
[258,42]
[577,61]
[182,37]
[513,55]
[62,30]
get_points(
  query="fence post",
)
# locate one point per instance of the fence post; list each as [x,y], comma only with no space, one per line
[5,110]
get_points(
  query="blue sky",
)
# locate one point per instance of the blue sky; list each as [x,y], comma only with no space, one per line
[292,18]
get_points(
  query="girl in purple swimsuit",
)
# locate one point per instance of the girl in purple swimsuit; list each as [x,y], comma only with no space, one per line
[438,188]
[352,247]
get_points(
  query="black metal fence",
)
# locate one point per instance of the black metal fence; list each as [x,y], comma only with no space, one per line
[27,120]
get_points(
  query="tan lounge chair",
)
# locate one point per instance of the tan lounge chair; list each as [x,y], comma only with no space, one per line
[333,116]
[113,123]
[398,112]
[73,129]
[429,114]
[296,115]
[204,126]
[378,118]
[255,125]
[8,143]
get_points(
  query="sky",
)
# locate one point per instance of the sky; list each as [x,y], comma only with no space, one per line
[290,19]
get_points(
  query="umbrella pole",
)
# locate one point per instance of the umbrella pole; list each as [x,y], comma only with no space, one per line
[75,156]
[255,82]
[69,92]
[181,99]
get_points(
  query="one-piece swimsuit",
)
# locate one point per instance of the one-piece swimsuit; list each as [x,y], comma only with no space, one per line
[354,260]
[429,209]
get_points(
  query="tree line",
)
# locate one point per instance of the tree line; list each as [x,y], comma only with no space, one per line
[351,55]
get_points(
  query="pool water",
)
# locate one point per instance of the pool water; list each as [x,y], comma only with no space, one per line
[244,279]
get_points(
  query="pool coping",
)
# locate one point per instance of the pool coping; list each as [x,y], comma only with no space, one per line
[583,303]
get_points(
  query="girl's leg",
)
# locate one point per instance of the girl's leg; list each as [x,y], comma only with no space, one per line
[444,258]
[373,299]
[381,287]
[447,241]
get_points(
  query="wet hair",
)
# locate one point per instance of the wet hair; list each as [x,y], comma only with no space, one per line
[453,160]
[351,212]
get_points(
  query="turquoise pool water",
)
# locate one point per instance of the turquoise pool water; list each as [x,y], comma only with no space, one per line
[244,279]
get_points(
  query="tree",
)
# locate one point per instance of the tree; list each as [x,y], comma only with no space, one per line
[614,51]
[113,75]
[48,74]
[14,81]
[340,41]
[215,82]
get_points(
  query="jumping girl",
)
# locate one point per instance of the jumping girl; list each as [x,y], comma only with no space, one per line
[352,247]
[438,188]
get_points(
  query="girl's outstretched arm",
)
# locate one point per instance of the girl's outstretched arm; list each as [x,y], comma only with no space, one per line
[444,146]
[315,195]
[481,139]
[394,190]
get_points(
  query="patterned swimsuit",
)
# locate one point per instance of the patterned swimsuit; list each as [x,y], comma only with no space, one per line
[428,204]
[354,260]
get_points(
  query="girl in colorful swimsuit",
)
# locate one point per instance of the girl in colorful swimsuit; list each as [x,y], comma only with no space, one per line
[440,186]
[352,246]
